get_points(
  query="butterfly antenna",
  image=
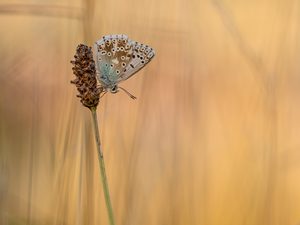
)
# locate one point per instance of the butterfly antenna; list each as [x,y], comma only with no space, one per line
[130,95]
[103,94]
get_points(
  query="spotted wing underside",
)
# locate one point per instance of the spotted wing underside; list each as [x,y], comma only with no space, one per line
[118,58]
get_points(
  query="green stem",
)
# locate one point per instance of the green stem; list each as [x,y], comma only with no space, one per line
[102,169]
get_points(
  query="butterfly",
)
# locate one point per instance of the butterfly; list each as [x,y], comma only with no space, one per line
[118,58]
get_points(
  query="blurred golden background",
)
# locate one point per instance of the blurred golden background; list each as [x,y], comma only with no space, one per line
[213,138]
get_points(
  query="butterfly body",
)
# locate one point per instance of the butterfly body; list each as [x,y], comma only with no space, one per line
[118,58]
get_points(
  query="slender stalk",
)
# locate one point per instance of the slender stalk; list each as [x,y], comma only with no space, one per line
[102,168]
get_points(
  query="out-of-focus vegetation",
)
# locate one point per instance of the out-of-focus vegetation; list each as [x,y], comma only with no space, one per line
[213,138]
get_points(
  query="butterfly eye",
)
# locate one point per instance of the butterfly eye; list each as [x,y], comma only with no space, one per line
[142,61]
[127,46]
[114,89]
[113,49]
[117,71]
[123,57]
[123,64]
[111,65]
[103,52]
[143,49]
[118,49]
[114,41]
[147,51]
[122,49]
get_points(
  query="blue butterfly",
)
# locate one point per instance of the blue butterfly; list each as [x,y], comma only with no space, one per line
[118,58]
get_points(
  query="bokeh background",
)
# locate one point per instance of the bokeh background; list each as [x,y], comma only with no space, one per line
[213,138]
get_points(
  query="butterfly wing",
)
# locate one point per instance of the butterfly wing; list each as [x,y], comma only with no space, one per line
[113,53]
[118,58]
[140,56]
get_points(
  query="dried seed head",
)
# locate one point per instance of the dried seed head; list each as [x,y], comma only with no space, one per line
[85,72]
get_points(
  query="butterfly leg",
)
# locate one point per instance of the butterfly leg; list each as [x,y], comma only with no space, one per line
[103,94]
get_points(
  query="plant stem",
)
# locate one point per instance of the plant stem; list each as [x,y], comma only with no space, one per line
[102,168]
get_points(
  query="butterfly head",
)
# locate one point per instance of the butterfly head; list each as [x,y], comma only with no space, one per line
[114,89]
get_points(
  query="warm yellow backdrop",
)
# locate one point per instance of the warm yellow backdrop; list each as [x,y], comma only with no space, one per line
[213,138]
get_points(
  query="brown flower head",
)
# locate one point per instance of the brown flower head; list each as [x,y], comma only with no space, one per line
[85,72]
